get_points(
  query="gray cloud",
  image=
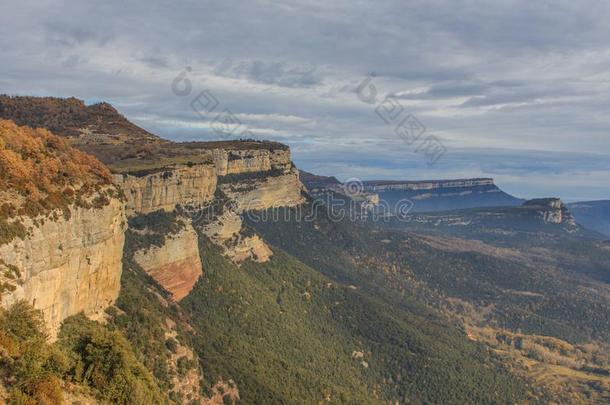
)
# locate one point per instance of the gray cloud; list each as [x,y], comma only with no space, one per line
[529,77]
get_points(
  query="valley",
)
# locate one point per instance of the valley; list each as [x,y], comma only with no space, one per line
[139,270]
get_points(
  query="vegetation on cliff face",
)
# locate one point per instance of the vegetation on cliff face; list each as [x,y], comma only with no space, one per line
[40,173]
[288,333]
[86,354]
[158,328]
[492,291]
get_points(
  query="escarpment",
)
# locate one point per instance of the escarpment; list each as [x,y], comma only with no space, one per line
[282,188]
[67,266]
[72,263]
[194,185]
[167,189]
[249,176]
[61,227]
[546,216]
[175,264]
[386,185]
[551,211]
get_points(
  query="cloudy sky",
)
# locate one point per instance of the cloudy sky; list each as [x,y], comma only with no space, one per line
[515,90]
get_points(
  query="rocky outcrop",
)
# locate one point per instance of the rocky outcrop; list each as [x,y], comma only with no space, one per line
[227,232]
[194,185]
[166,189]
[223,392]
[186,383]
[67,266]
[284,190]
[551,210]
[236,161]
[176,265]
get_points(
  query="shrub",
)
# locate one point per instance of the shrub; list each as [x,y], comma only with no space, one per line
[29,361]
[171,345]
[105,361]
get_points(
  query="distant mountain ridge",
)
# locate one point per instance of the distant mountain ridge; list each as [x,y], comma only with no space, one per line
[442,195]
[426,195]
[387,185]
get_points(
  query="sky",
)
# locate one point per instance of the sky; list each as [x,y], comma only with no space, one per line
[514,90]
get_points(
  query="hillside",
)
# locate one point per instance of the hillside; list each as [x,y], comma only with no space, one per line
[594,215]
[551,302]
[40,172]
[207,272]
[548,217]
[101,131]
[72,118]
[286,320]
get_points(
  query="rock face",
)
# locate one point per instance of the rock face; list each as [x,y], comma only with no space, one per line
[164,190]
[552,210]
[283,190]
[249,179]
[275,191]
[236,161]
[194,185]
[176,265]
[69,265]
[250,248]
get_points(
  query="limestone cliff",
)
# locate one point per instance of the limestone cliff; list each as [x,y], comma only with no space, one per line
[194,185]
[248,178]
[284,190]
[62,226]
[551,211]
[235,161]
[175,265]
[168,188]
[243,195]
[68,265]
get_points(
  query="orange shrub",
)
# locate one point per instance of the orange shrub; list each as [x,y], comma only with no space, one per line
[45,169]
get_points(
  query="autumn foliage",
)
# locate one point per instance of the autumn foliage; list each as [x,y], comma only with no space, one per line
[44,171]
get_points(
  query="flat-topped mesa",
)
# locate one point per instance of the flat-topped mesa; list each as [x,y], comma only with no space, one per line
[194,184]
[552,210]
[387,185]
